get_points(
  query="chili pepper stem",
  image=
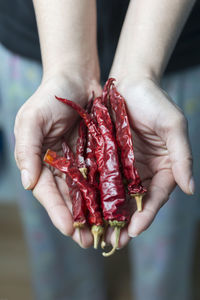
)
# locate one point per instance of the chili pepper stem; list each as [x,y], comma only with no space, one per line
[118,225]
[138,199]
[83,172]
[117,235]
[103,242]
[79,226]
[97,232]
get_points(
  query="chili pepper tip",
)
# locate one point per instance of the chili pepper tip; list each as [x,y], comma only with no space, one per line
[97,232]
[138,199]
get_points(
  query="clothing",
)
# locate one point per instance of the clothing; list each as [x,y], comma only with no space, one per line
[18,29]
[18,32]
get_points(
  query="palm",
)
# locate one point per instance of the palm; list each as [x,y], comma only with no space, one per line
[150,113]
[49,121]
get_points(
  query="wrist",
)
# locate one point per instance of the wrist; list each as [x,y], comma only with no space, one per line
[61,78]
[86,67]
[134,73]
[139,86]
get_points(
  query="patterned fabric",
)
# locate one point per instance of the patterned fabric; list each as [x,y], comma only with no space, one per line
[161,257]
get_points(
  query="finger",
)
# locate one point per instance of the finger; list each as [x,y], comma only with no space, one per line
[159,190]
[28,147]
[177,141]
[83,237]
[181,158]
[46,191]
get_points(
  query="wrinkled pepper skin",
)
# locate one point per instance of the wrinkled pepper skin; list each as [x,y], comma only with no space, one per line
[113,199]
[81,146]
[87,191]
[90,161]
[78,203]
[106,91]
[124,142]
[111,187]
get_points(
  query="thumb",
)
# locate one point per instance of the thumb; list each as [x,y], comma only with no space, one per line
[28,135]
[180,155]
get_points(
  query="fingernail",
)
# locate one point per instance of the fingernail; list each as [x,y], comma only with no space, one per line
[192,186]
[132,235]
[25,177]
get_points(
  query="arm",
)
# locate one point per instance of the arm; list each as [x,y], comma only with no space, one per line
[148,37]
[162,149]
[67,31]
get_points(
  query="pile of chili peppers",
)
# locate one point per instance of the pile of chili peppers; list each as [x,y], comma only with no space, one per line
[101,176]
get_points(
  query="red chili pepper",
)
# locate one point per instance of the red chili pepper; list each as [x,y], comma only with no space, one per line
[106,91]
[125,144]
[88,192]
[90,161]
[112,192]
[82,141]
[113,198]
[80,149]
[86,117]
[78,204]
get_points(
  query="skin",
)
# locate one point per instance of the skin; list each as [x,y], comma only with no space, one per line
[70,63]
[67,34]
[160,135]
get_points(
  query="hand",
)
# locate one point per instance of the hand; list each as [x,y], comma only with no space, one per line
[40,124]
[161,146]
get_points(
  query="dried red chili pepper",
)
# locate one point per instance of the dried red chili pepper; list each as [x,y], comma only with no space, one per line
[97,230]
[82,141]
[92,170]
[106,91]
[78,203]
[88,192]
[113,198]
[87,153]
[125,144]
[89,121]
[112,192]
[80,149]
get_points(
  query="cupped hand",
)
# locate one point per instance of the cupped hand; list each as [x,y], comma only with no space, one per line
[161,146]
[40,124]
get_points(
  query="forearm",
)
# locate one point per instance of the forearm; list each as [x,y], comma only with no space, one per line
[67,31]
[148,37]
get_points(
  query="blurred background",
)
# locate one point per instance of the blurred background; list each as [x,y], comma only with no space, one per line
[36,261]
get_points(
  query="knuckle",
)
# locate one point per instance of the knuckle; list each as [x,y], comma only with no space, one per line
[25,116]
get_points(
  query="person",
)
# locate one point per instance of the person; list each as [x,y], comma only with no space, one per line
[71,70]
